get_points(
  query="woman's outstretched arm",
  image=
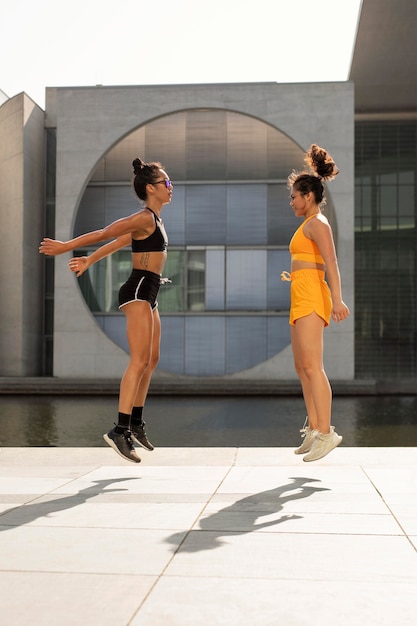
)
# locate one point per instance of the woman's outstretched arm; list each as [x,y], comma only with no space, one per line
[134,223]
[81,263]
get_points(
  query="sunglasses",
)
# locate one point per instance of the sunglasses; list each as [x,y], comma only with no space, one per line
[167,182]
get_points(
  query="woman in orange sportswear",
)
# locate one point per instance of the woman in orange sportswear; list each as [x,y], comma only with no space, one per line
[313,301]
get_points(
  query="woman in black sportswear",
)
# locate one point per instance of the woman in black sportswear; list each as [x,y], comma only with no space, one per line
[145,233]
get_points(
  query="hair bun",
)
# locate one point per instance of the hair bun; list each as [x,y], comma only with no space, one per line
[137,165]
[321,162]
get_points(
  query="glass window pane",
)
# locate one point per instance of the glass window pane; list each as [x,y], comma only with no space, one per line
[196,268]
[172,358]
[278,290]
[91,212]
[205,214]
[102,205]
[283,155]
[246,214]
[407,201]
[366,202]
[246,148]
[116,165]
[389,178]
[115,327]
[100,284]
[406,178]
[165,142]
[204,346]
[278,336]
[281,220]
[388,200]
[215,280]
[171,297]
[246,342]
[206,145]
[246,280]
[174,217]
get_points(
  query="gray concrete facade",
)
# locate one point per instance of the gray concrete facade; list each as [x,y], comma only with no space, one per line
[91,120]
[22,222]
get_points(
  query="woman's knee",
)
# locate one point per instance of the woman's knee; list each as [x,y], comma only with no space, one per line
[299,369]
[154,360]
[143,363]
[307,369]
[138,365]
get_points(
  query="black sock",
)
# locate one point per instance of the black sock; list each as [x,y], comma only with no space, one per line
[122,423]
[136,419]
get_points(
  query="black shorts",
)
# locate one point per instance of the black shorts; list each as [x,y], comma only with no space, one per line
[141,285]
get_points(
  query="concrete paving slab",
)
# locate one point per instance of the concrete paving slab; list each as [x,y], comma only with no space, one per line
[187,601]
[233,554]
[149,479]
[405,513]
[96,457]
[46,599]
[208,536]
[372,457]
[86,550]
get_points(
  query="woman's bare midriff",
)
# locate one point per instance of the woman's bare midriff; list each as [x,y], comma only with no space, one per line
[306,265]
[150,261]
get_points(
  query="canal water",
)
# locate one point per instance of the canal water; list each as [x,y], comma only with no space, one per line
[198,421]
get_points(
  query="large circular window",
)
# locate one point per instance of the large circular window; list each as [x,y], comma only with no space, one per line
[229,225]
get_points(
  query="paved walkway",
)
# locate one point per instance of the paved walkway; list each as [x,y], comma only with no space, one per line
[208,536]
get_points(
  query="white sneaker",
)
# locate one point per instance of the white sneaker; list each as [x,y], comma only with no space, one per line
[309,436]
[323,444]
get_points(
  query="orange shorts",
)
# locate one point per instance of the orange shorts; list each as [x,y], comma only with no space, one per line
[309,293]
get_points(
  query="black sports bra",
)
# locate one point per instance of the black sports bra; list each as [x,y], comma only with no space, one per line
[157,242]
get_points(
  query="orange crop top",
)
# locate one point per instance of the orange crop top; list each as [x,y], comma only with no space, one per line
[304,249]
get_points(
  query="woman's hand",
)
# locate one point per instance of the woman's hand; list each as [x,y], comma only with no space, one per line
[52,247]
[340,312]
[78,265]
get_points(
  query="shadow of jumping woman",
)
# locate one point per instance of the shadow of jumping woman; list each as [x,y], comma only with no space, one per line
[242,516]
[27,513]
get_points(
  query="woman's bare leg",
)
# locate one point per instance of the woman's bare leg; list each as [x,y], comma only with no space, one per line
[307,345]
[143,388]
[305,383]
[139,330]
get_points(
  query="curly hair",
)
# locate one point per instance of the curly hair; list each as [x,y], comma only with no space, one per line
[144,174]
[324,168]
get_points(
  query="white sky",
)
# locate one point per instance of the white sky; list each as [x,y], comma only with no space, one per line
[50,43]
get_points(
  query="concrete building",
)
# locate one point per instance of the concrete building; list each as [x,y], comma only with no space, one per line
[22,176]
[228,149]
